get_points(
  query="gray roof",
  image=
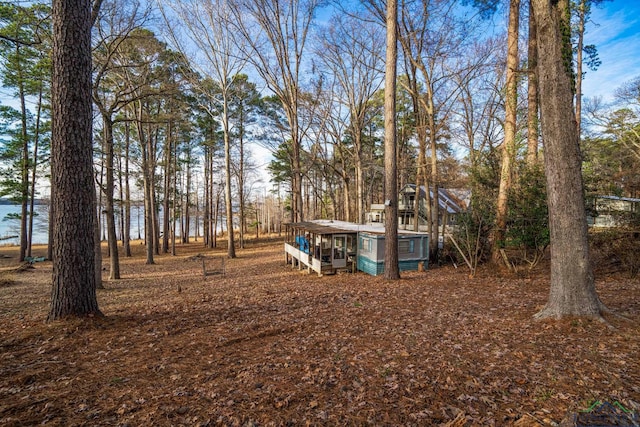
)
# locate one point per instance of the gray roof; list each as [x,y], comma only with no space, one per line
[327,226]
[623,199]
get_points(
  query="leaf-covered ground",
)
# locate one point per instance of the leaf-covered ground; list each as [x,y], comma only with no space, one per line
[269,345]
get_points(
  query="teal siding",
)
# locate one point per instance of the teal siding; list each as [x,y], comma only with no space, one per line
[377,268]
[411,265]
[371,253]
[370,267]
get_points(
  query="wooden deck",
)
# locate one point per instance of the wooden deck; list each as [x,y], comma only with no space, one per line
[303,260]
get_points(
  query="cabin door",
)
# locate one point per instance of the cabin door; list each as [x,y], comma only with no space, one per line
[339,251]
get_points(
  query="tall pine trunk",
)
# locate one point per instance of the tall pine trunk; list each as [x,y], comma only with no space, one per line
[532,93]
[24,166]
[34,170]
[572,290]
[509,144]
[391,267]
[73,191]
[126,232]
[112,240]
[231,249]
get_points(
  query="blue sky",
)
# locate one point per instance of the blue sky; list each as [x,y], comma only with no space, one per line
[615,30]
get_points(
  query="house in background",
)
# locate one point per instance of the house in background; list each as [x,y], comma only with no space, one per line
[613,211]
[451,202]
[327,247]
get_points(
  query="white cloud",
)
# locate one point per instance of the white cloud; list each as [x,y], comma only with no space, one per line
[615,33]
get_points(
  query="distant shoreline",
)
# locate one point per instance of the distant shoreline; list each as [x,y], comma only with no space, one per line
[4,201]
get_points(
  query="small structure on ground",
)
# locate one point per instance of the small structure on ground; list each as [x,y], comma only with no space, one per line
[327,246]
[213,265]
[613,211]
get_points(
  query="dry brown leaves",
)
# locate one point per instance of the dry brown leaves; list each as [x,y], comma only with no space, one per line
[268,345]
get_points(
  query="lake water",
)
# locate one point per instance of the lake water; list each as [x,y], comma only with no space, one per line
[10,226]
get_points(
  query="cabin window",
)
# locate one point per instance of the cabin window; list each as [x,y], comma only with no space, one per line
[405,247]
[365,245]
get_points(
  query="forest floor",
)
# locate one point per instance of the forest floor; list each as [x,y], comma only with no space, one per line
[265,345]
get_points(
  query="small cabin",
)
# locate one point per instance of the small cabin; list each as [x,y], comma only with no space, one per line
[326,247]
[413,250]
[613,211]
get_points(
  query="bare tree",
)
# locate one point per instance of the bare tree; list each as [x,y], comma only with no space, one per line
[351,50]
[215,52]
[480,100]
[582,10]
[332,152]
[116,50]
[435,50]
[276,33]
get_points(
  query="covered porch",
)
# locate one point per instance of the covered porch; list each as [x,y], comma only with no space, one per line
[325,247]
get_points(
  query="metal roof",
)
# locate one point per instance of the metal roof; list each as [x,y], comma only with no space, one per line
[327,226]
[624,199]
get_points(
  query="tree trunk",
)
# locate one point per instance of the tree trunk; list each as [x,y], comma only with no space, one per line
[97,250]
[166,205]
[172,210]
[155,220]
[346,196]
[24,166]
[231,249]
[359,174]
[74,286]
[532,101]
[121,200]
[126,236]
[216,216]
[241,195]
[509,145]
[582,12]
[50,241]
[391,268]
[572,290]
[147,184]
[208,199]
[34,170]
[421,135]
[112,239]
[298,211]
[434,215]
[187,198]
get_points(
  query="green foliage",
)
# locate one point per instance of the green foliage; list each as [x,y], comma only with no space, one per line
[473,227]
[245,108]
[25,70]
[25,36]
[11,150]
[592,59]
[528,224]
[470,237]
[280,166]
